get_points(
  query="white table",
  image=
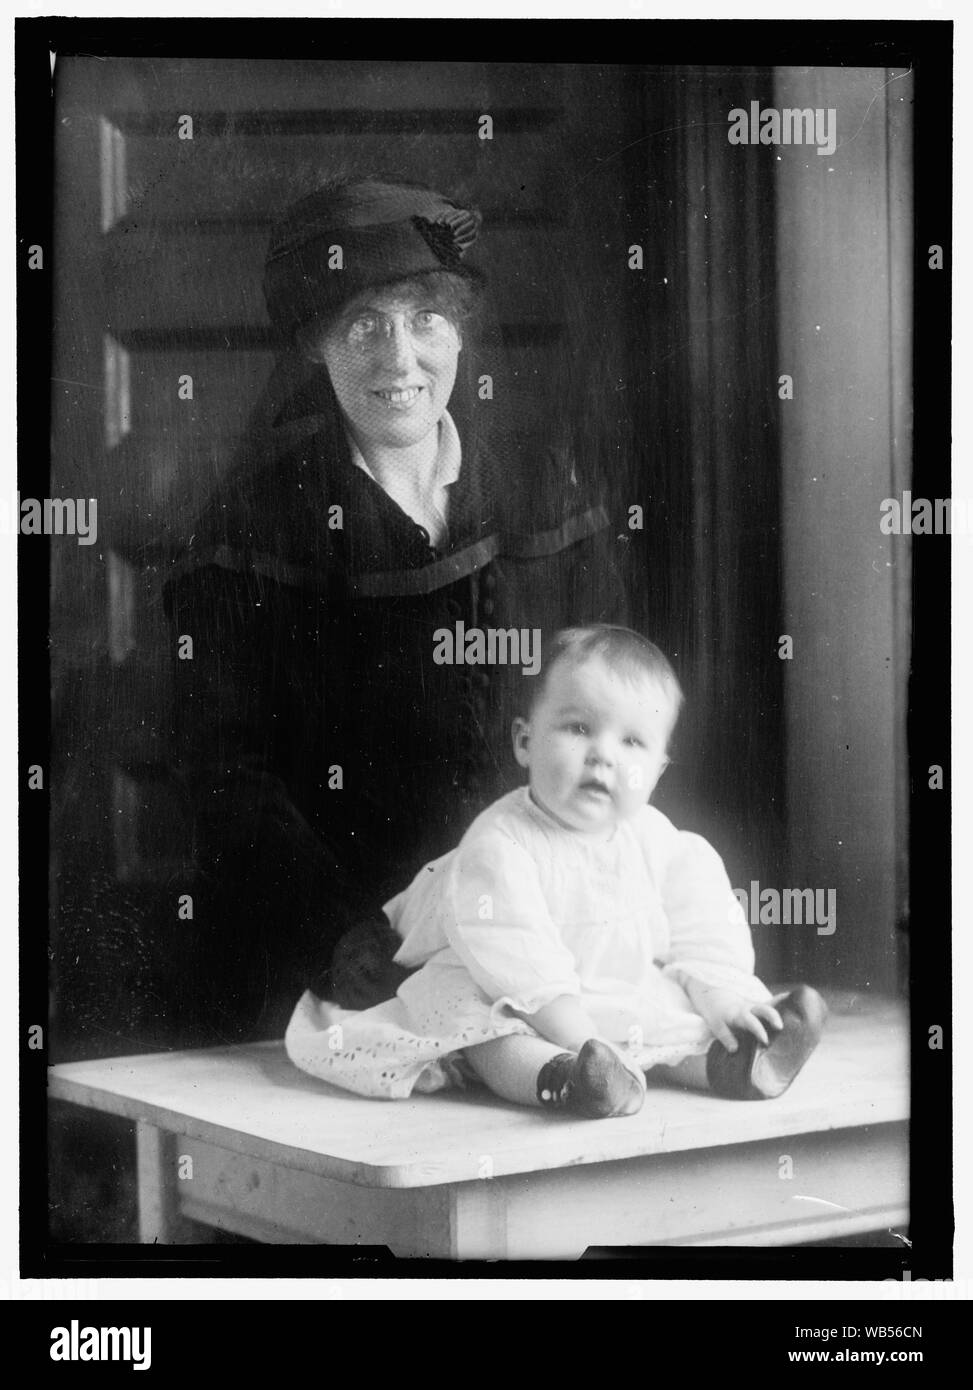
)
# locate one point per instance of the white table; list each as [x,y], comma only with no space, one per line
[237,1138]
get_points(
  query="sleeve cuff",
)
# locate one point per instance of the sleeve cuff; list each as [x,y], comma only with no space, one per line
[718,977]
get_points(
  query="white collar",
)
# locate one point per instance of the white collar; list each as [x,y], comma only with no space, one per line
[449,459]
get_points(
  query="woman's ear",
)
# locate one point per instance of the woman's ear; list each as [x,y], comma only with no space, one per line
[310,343]
[314,352]
[305,346]
[520,731]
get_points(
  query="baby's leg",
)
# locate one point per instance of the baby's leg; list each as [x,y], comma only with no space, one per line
[510,1066]
[690,1072]
[755,1072]
[595,1082]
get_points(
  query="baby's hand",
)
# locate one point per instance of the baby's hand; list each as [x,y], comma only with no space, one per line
[726,1012]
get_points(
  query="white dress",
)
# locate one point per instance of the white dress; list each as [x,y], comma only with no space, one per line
[521,912]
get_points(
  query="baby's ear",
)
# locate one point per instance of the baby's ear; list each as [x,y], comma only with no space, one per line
[520,731]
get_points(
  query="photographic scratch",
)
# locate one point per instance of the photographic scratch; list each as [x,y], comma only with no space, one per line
[875,96]
[67,381]
[822,1200]
[650,135]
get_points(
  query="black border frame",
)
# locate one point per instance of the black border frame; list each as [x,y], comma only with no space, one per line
[924,45]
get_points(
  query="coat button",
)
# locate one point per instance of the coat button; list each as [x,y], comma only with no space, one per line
[487,606]
[488,579]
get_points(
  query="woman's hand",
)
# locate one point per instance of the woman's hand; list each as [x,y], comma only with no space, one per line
[727,1013]
[363,972]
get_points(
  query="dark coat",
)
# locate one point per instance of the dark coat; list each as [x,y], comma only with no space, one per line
[312,652]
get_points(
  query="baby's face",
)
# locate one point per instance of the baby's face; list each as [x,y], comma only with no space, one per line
[595,745]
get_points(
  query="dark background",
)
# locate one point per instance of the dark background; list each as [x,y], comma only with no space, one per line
[667,378]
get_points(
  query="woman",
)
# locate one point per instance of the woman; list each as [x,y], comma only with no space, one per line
[331,743]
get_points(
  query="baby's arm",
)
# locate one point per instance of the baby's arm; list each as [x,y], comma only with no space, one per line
[710,951]
[499,924]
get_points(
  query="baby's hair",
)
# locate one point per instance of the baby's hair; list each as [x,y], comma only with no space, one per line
[624,652]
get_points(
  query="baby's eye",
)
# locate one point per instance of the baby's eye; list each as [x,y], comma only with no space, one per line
[577,728]
[634,741]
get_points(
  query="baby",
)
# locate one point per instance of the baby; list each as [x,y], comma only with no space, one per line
[575,940]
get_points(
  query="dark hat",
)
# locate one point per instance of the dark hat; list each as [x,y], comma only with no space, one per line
[386,232]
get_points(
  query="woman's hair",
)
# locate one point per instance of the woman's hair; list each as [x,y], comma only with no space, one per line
[626,653]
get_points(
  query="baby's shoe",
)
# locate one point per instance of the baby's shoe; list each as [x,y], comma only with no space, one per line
[596,1083]
[755,1072]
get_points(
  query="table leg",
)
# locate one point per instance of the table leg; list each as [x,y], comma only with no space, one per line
[484,1224]
[160,1222]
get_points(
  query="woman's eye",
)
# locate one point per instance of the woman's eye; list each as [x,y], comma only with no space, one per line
[634,742]
[576,728]
[362,329]
[427,319]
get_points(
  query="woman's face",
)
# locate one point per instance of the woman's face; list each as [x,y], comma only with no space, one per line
[392,359]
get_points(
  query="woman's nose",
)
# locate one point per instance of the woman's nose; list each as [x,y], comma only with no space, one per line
[398,348]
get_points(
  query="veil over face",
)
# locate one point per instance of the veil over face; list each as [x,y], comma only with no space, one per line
[349,242]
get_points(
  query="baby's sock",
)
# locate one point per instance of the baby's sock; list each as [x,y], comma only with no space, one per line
[755,1072]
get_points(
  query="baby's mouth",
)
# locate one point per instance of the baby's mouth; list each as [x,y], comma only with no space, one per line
[595,787]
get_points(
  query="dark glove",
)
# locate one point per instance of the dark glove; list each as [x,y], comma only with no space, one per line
[362,971]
